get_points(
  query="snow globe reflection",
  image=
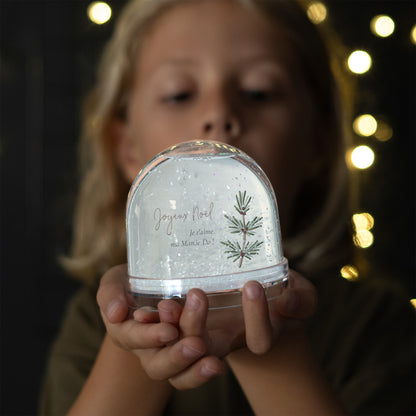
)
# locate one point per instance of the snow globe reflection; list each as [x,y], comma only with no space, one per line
[202,214]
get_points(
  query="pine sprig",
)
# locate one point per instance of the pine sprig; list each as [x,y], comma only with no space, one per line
[235,250]
[242,203]
[236,226]
[252,249]
[252,225]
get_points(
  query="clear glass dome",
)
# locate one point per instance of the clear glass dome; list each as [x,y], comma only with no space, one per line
[202,214]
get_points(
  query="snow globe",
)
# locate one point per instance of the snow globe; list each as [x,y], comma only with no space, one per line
[202,214]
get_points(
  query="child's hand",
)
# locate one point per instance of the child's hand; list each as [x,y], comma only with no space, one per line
[200,339]
[112,299]
[165,352]
[224,330]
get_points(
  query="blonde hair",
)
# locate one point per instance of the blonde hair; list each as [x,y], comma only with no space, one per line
[99,224]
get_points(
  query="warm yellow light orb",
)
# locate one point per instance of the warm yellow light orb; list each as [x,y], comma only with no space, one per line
[363,238]
[350,272]
[413,302]
[362,157]
[359,62]
[384,132]
[363,221]
[365,125]
[413,35]
[382,26]
[317,12]
[99,12]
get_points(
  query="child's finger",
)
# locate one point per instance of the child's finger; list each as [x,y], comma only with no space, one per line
[168,362]
[199,373]
[259,332]
[146,315]
[132,335]
[169,311]
[111,296]
[194,315]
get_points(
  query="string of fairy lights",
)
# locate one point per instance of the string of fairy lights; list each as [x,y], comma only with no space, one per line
[360,157]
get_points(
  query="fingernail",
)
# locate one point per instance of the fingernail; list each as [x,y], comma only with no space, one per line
[112,307]
[192,301]
[208,372]
[292,304]
[253,291]
[190,352]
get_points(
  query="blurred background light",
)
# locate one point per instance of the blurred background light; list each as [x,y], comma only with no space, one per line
[359,62]
[99,12]
[365,125]
[363,221]
[413,35]
[363,238]
[413,302]
[362,157]
[384,131]
[317,12]
[382,26]
[350,272]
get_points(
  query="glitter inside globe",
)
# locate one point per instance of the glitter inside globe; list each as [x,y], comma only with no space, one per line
[202,214]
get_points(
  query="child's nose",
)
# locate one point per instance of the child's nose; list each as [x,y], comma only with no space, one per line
[220,121]
[221,129]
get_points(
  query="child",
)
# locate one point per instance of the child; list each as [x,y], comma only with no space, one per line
[254,74]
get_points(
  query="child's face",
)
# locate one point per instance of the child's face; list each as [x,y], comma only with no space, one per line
[214,70]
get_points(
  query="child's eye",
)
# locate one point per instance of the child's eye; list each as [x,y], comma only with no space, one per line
[178,97]
[258,95]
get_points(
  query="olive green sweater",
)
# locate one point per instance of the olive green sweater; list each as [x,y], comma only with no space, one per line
[363,335]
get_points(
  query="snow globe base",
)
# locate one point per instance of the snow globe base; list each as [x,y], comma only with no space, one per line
[217,299]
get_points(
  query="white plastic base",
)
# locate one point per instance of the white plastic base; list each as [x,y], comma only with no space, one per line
[222,291]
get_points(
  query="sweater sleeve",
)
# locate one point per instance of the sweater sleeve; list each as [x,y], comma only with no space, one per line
[72,354]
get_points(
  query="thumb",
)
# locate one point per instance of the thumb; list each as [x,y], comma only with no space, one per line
[111,295]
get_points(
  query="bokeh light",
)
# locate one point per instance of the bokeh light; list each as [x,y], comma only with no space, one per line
[350,272]
[362,157]
[363,238]
[413,35]
[365,125]
[413,302]
[359,62]
[99,12]
[382,25]
[317,12]
[363,221]
[384,131]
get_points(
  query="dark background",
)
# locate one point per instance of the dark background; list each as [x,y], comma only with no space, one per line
[48,53]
